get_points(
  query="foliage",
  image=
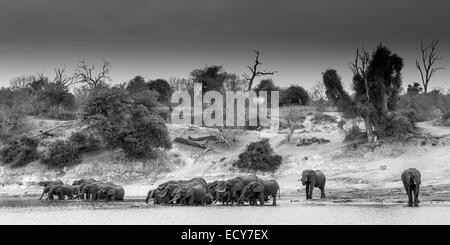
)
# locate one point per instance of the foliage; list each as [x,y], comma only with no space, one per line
[20,151]
[211,77]
[258,156]
[61,153]
[425,106]
[294,95]
[84,142]
[126,123]
[163,88]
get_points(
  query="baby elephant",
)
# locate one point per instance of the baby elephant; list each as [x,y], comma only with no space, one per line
[411,180]
[312,179]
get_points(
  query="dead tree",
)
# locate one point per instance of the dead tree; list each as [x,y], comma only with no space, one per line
[427,66]
[85,74]
[359,68]
[255,72]
[62,79]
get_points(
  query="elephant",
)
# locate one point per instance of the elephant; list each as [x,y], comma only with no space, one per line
[61,191]
[169,187]
[47,186]
[411,179]
[209,199]
[154,194]
[111,192]
[91,190]
[189,194]
[312,179]
[83,181]
[212,188]
[230,190]
[260,190]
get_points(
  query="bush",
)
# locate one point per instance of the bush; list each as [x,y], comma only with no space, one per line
[258,156]
[61,153]
[20,151]
[146,133]
[126,123]
[59,113]
[425,106]
[401,124]
[84,143]
[294,95]
[354,133]
[446,116]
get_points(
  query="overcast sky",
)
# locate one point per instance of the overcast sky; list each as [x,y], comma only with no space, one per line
[170,38]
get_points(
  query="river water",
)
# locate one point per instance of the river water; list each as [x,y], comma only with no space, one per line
[135,211]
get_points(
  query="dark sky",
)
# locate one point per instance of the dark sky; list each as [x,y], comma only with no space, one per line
[169,38]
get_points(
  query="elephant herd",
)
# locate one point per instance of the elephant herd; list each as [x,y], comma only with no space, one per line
[238,190]
[197,191]
[83,188]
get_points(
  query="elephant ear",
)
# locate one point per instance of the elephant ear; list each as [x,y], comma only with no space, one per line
[258,188]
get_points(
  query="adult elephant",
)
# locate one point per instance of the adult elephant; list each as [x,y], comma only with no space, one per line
[91,190]
[189,194]
[260,190]
[311,179]
[155,195]
[231,190]
[62,191]
[111,192]
[47,186]
[411,179]
[213,187]
[169,188]
[83,181]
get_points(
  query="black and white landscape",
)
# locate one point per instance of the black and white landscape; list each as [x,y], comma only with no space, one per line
[115,112]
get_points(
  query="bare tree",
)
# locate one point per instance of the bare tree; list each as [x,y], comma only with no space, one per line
[85,74]
[62,79]
[427,66]
[255,72]
[359,68]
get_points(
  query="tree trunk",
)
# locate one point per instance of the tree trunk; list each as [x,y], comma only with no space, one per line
[369,130]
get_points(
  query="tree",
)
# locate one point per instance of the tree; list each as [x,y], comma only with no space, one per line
[255,73]
[427,66]
[137,84]
[84,74]
[377,84]
[211,77]
[268,86]
[294,95]
[124,123]
[163,88]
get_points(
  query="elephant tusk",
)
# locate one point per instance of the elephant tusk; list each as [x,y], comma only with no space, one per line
[221,191]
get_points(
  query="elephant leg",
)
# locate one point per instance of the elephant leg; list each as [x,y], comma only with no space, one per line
[307,191]
[43,195]
[416,196]
[60,196]
[261,199]
[322,192]
[274,202]
[409,191]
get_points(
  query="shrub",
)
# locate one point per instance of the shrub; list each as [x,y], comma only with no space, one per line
[84,143]
[59,113]
[20,151]
[401,124]
[61,153]
[146,133]
[126,123]
[294,95]
[446,116]
[354,133]
[258,156]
